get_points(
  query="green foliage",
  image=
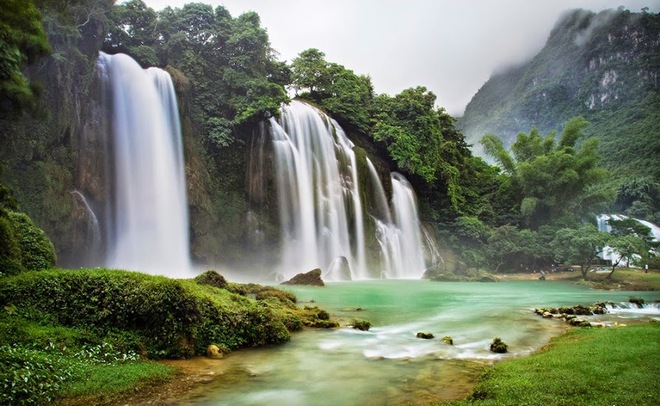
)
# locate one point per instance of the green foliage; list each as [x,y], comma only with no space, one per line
[552,182]
[410,127]
[165,317]
[579,246]
[339,91]
[633,242]
[22,42]
[29,376]
[37,252]
[39,364]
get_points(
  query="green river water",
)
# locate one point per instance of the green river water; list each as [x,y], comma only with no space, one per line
[388,364]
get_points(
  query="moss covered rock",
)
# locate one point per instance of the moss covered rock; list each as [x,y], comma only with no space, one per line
[498,346]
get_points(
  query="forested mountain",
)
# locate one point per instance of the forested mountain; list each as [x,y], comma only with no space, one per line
[603,66]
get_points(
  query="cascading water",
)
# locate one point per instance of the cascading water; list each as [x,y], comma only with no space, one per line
[148,226]
[321,214]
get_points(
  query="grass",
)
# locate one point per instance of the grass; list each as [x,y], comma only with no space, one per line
[610,366]
[633,279]
[106,383]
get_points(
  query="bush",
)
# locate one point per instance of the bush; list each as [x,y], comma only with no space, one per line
[36,250]
[10,253]
[160,316]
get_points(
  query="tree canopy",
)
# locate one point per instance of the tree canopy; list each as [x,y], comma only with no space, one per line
[553,180]
[22,42]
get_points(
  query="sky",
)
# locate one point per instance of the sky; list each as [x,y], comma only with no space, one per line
[451,47]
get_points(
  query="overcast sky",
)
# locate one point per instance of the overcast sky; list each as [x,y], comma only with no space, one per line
[449,46]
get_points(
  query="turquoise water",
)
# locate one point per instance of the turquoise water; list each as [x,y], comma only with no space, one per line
[388,364]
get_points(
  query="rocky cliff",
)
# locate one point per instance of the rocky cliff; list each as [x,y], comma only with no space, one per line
[603,66]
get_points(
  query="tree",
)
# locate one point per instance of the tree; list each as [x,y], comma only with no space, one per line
[552,180]
[627,247]
[513,248]
[579,246]
[632,241]
[310,71]
[410,127]
[133,32]
[22,42]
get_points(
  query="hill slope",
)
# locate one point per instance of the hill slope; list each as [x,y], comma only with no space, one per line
[602,66]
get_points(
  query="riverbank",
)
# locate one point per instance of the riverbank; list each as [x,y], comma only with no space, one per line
[622,279]
[253,371]
[606,366]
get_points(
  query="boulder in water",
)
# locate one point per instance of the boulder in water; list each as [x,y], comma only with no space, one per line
[213,351]
[340,269]
[498,346]
[426,336]
[447,340]
[311,278]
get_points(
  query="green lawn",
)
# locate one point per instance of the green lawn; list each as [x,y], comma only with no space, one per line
[604,366]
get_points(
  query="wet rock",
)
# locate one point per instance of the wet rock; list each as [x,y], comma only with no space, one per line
[498,346]
[426,336]
[637,301]
[311,278]
[362,325]
[340,269]
[447,340]
[214,352]
[577,322]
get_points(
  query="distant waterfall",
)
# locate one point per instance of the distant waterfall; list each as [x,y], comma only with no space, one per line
[321,214]
[148,225]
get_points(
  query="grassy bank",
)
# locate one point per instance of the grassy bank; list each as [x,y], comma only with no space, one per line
[88,336]
[609,366]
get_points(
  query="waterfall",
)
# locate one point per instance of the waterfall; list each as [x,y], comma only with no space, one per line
[322,217]
[148,227]
[93,230]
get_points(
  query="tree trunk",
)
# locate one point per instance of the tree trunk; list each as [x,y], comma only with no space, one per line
[614,265]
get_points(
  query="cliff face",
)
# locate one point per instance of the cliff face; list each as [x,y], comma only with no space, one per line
[602,66]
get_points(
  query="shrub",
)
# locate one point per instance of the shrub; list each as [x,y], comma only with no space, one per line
[37,252]
[10,253]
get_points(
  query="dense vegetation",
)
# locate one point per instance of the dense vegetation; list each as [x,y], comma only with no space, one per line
[59,325]
[603,66]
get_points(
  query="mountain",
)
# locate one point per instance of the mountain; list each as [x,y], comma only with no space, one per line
[603,66]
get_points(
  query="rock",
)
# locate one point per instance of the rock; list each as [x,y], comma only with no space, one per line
[426,336]
[339,269]
[362,325]
[212,278]
[578,322]
[447,340]
[637,301]
[547,315]
[498,346]
[311,278]
[213,351]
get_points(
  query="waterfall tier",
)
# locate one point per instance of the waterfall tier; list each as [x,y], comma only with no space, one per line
[147,228]
[324,211]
